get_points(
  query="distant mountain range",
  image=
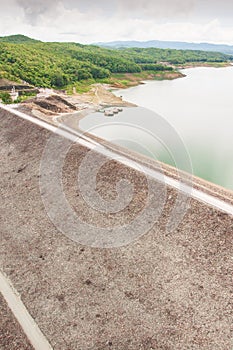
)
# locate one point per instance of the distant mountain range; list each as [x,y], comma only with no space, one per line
[179,45]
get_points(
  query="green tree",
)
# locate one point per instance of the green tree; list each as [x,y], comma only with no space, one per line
[84,74]
[58,80]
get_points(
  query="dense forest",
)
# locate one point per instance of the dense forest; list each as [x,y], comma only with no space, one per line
[62,64]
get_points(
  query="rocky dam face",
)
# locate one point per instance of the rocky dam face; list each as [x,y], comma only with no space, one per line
[96,270]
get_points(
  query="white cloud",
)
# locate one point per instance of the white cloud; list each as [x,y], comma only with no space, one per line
[106,20]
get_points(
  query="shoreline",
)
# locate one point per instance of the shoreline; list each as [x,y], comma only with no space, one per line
[100,95]
[135,79]
[207,65]
[94,100]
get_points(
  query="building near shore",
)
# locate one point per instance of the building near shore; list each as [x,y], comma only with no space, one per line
[14,94]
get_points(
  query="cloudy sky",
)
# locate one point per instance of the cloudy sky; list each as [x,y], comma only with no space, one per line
[88,21]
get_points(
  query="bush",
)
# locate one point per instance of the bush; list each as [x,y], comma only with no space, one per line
[5,97]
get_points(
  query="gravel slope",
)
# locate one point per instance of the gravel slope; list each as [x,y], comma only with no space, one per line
[11,335]
[164,291]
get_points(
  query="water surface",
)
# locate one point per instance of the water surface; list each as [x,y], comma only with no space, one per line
[199,107]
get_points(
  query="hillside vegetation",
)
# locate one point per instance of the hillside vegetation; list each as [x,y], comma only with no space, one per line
[61,65]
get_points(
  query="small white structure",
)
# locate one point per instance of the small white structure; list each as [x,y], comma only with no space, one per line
[14,94]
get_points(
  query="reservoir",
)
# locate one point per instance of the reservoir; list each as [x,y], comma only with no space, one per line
[195,113]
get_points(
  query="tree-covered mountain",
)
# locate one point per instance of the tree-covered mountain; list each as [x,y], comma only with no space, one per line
[17,39]
[64,64]
[176,45]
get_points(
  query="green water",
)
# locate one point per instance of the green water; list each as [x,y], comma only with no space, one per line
[198,107]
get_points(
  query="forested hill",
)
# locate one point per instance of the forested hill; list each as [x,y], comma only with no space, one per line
[18,39]
[62,64]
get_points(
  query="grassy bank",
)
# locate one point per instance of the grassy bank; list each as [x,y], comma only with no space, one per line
[133,79]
